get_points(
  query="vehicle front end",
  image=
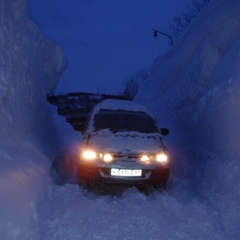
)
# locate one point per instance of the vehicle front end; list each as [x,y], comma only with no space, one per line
[125,167]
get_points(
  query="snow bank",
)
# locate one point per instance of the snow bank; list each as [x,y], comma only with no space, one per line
[198,96]
[30,66]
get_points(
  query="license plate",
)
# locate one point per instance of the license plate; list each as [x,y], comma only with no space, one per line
[126,172]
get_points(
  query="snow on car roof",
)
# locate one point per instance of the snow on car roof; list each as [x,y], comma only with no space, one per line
[112,104]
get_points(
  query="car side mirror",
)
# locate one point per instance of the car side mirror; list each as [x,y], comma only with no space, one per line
[164,131]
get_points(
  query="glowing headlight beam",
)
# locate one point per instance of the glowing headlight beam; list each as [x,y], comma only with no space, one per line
[162,157]
[107,157]
[145,158]
[89,155]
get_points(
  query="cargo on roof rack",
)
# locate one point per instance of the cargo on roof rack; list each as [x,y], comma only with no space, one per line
[76,106]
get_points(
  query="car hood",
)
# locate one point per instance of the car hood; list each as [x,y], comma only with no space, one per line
[136,142]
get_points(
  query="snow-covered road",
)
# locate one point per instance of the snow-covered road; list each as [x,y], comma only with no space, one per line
[74,213]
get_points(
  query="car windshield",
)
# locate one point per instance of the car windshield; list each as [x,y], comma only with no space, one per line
[121,121]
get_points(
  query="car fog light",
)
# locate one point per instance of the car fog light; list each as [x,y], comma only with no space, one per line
[107,157]
[145,158]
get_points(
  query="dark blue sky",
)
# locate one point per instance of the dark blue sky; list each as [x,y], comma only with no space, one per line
[105,40]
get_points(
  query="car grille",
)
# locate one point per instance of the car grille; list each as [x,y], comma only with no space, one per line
[127,157]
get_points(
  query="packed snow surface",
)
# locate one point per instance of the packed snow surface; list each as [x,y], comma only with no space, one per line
[193,89]
[73,213]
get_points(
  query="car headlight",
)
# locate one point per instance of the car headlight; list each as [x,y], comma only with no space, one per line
[107,157]
[89,155]
[145,158]
[148,159]
[162,157]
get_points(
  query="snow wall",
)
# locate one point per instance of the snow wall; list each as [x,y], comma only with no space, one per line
[196,88]
[30,66]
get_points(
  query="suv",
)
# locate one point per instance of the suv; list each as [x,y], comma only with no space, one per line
[123,145]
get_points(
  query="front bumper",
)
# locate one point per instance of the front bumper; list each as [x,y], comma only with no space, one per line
[93,173]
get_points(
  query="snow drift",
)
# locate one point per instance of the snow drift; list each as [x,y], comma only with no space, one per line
[198,96]
[193,89]
[30,66]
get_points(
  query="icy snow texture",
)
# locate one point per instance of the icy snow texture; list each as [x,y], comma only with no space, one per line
[30,66]
[198,96]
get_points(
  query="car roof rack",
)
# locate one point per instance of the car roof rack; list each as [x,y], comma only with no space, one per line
[77,106]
